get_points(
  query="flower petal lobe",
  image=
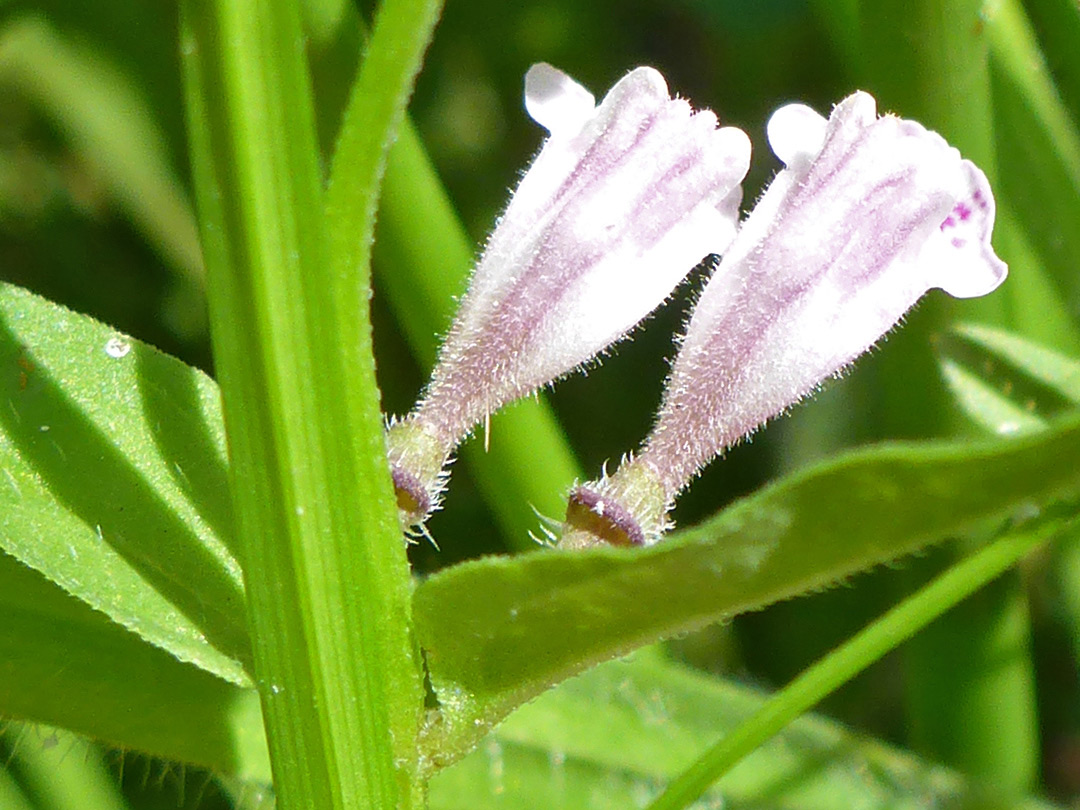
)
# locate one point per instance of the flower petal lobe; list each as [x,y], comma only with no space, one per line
[555,101]
[796,134]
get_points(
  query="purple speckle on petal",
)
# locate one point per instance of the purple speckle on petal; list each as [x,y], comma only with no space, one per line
[962,211]
[957,242]
[948,223]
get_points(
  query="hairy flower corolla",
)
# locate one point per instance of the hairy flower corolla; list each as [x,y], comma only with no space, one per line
[868,214]
[622,201]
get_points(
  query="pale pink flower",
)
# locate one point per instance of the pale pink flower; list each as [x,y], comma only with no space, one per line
[622,201]
[868,215]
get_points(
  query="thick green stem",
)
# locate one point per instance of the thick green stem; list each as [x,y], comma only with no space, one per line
[325,569]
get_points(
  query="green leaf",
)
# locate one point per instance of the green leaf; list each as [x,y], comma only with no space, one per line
[113,481]
[613,737]
[65,664]
[987,404]
[544,617]
[1043,366]
[1004,382]
[1017,54]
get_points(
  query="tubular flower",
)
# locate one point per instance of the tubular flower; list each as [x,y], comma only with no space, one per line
[868,214]
[622,201]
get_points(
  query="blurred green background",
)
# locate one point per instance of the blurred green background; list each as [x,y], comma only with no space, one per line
[95,213]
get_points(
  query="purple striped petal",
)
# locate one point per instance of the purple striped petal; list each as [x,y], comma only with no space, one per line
[868,215]
[622,201]
[841,245]
[620,204]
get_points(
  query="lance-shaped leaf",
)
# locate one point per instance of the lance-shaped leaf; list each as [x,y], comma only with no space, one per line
[113,481]
[544,617]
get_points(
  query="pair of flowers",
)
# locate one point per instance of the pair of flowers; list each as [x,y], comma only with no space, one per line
[623,200]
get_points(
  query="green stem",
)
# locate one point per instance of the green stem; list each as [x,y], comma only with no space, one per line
[325,568]
[852,657]
[370,123]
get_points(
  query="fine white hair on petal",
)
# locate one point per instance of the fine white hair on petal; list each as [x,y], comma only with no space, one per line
[622,201]
[869,214]
[796,134]
[555,101]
